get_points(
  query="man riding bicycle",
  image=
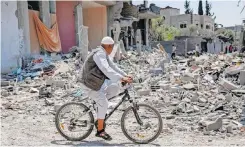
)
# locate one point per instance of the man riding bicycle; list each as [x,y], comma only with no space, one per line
[103,78]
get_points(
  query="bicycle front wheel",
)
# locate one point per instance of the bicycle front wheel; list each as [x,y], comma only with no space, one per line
[146,132]
[74,121]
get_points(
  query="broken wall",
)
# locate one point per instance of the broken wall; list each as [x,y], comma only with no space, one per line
[191,41]
[96,20]
[66,23]
[10,49]
[180,46]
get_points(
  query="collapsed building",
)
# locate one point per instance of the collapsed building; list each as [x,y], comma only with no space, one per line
[35,27]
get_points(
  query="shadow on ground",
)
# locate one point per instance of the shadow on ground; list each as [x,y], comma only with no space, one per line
[93,143]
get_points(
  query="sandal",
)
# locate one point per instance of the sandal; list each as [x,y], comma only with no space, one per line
[103,134]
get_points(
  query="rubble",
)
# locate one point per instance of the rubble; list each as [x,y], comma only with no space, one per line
[213,125]
[183,90]
[34,90]
[228,85]
[143,92]
[4,92]
[5,83]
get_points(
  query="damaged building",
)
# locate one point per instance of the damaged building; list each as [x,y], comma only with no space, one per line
[67,24]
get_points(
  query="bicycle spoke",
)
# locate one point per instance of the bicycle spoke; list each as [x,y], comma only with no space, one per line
[73,121]
[148,130]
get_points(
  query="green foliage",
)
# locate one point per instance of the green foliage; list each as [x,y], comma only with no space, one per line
[162,32]
[225,33]
[200,8]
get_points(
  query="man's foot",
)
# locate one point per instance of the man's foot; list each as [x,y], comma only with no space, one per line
[103,134]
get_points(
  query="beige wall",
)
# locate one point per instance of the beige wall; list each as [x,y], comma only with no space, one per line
[96,20]
[167,13]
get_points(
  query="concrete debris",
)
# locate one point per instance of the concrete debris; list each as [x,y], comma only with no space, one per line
[143,92]
[49,102]
[170,126]
[170,117]
[202,100]
[4,93]
[182,90]
[228,85]
[5,83]
[215,125]
[156,71]
[228,98]
[229,129]
[34,90]
[242,77]
[196,109]
[189,86]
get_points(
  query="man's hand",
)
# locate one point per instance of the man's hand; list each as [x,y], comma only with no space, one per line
[130,76]
[127,80]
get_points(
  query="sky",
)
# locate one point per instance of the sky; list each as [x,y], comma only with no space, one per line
[226,12]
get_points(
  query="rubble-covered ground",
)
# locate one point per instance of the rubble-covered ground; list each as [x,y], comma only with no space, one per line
[201,99]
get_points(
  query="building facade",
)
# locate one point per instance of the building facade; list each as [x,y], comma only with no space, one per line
[98,18]
[19,36]
[202,25]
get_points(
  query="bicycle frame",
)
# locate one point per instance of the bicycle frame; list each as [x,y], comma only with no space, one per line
[126,95]
[134,107]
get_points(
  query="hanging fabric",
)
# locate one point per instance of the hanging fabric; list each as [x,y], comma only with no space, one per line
[49,39]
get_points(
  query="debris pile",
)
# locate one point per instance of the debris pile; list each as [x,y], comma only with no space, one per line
[206,93]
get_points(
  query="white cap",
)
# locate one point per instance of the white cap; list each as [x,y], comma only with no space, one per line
[107,40]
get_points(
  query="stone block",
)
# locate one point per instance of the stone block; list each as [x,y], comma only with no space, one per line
[164,86]
[170,126]
[228,85]
[242,77]
[156,71]
[174,89]
[34,90]
[196,109]
[215,125]
[228,98]
[189,77]
[143,92]
[60,84]
[5,83]
[137,87]
[229,129]
[4,93]
[50,82]
[189,86]
[202,100]
[170,117]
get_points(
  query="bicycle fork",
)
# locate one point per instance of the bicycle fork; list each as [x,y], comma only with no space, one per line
[135,108]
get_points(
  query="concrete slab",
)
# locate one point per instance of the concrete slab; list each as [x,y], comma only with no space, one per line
[242,77]
[228,85]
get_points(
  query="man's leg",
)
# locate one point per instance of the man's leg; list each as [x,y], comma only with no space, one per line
[102,105]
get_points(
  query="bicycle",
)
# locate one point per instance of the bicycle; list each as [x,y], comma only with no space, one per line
[76,122]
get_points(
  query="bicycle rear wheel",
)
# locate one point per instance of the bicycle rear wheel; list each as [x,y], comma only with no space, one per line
[74,121]
[148,131]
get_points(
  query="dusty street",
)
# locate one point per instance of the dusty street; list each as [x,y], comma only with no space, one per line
[33,125]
